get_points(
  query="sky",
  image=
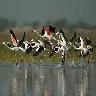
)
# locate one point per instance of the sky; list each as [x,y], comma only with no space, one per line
[42,10]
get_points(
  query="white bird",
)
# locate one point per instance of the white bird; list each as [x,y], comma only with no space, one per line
[62,45]
[34,44]
[17,45]
[26,47]
[84,47]
[39,48]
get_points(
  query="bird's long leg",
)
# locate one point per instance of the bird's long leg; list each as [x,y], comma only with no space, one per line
[81,53]
[63,58]
[89,57]
[63,61]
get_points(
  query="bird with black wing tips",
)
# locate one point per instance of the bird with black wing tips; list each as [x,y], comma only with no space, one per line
[88,44]
[15,42]
[39,49]
[63,45]
[47,32]
[13,38]
[84,46]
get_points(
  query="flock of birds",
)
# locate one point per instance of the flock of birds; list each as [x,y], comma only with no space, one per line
[63,45]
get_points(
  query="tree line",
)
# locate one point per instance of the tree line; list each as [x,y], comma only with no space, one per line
[64,23]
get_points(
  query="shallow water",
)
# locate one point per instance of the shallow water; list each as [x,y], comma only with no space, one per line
[72,79]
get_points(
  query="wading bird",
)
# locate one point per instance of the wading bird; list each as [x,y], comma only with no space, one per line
[16,44]
[47,32]
[26,47]
[39,48]
[34,44]
[62,45]
[84,47]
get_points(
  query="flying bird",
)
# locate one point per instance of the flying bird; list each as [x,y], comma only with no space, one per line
[16,44]
[13,38]
[39,49]
[73,36]
[47,32]
[83,47]
[52,29]
[26,47]
[62,46]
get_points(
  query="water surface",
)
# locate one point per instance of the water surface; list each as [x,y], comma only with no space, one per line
[48,79]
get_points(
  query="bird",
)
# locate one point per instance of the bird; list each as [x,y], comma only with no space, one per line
[39,48]
[34,44]
[84,46]
[13,38]
[62,45]
[88,44]
[55,50]
[16,44]
[47,32]
[26,47]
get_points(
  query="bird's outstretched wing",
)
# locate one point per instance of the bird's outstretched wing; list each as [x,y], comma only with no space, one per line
[88,41]
[13,37]
[51,29]
[73,36]
[62,33]
[21,41]
[43,31]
